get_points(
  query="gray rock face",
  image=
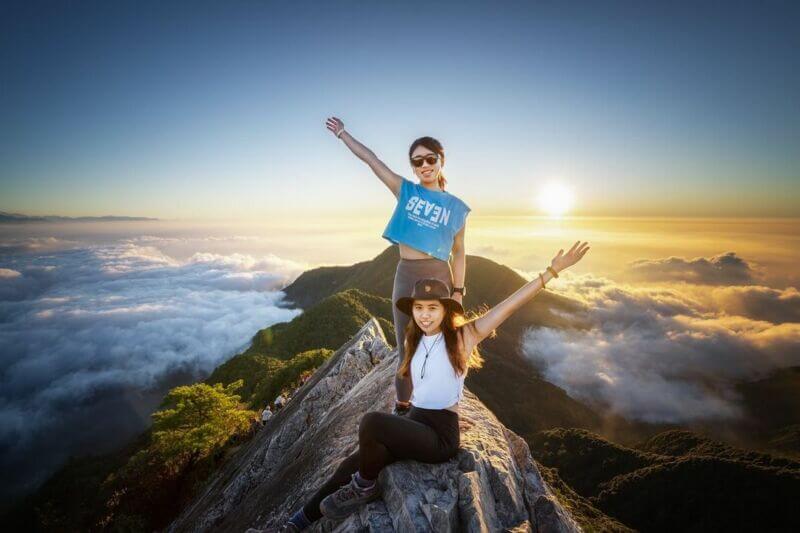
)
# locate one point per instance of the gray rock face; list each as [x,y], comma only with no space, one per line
[493,484]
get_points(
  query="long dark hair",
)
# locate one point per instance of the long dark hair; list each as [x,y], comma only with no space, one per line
[435,146]
[451,323]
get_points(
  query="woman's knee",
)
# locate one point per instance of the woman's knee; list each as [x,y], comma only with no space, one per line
[370,424]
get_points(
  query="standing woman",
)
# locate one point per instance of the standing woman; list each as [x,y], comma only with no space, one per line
[440,346]
[428,225]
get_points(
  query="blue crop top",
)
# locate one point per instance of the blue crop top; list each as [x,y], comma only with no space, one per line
[426,220]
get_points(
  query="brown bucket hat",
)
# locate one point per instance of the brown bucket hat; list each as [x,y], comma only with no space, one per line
[429,289]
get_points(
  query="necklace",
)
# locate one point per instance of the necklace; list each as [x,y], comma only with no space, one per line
[427,352]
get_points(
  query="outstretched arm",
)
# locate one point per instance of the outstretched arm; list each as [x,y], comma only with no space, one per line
[389,178]
[499,313]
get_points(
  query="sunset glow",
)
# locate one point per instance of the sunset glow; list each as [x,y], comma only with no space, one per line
[555,199]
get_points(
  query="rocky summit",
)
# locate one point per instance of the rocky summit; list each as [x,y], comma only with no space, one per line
[493,484]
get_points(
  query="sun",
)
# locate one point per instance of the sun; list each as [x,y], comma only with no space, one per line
[555,199]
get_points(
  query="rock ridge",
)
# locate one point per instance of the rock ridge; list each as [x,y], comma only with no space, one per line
[493,483]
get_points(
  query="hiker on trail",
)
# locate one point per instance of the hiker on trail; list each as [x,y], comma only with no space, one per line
[266,414]
[279,402]
[440,345]
[428,225]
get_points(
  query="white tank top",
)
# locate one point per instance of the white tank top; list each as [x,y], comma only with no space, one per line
[441,387]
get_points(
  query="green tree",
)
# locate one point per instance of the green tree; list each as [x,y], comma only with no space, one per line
[197,420]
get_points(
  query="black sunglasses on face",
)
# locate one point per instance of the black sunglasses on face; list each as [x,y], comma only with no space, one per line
[430,159]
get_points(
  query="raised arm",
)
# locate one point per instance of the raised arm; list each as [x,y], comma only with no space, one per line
[499,313]
[389,178]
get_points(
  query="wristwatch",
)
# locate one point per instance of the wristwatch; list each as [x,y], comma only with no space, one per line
[462,290]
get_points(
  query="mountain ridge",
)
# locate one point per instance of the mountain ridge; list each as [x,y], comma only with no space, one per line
[12,218]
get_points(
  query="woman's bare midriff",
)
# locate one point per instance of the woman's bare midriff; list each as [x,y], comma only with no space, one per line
[406,252]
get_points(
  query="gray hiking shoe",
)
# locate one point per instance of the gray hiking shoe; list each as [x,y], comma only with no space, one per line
[348,499]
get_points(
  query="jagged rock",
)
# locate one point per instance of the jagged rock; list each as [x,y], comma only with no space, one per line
[493,484]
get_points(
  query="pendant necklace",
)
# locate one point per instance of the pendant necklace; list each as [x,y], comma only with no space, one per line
[427,351]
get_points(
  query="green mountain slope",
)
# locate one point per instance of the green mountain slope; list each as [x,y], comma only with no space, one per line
[487,283]
[591,519]
[585,460]
[280,353]
[679,443]
[704,493]
[327,323]
[786,441]
[375,276]
[676,481]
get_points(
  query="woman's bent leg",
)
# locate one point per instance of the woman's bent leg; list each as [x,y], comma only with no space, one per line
[340,477]
[384,438]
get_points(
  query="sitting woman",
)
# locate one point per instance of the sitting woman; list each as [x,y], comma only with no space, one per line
[440,346]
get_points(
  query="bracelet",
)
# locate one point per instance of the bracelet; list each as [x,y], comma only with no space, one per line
[552,271]
[541,278]
[340,132]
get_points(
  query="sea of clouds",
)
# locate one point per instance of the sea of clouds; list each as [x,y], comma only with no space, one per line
[671,342]
[92,336]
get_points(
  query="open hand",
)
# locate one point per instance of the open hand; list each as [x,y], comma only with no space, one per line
[564,260]
[335,125]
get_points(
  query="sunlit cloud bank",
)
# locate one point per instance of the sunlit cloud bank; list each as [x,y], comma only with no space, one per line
[723,269]
[91,336]
[669,352]
[34,244]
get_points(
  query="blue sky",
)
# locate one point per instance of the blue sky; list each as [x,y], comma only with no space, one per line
[216,110]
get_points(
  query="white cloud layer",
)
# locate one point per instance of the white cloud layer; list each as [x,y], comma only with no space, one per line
[667,353]
[723,269]
[91,337]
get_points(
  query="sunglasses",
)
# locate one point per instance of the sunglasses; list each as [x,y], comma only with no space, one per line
[430,159]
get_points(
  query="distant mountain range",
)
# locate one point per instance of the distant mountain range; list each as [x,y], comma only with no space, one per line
[18,218]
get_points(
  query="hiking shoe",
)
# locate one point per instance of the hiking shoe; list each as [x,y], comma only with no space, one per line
[348,499]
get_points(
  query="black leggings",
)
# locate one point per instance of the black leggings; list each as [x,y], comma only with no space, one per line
[427,435]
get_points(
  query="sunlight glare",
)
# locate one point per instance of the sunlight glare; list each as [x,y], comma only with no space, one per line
[555,199]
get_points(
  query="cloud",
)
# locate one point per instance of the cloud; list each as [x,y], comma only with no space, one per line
[35,244]
[8,273]
[667,354]
[93,337]
[723,269]
[760,303]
